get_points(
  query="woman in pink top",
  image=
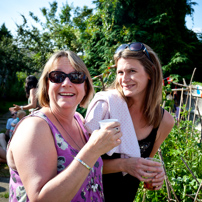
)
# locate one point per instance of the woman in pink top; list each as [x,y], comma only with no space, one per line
[50,155]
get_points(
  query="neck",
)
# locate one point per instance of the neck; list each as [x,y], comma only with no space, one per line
[64,115]
[135,104]
[79,142]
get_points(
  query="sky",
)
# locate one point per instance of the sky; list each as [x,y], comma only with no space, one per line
[10,11]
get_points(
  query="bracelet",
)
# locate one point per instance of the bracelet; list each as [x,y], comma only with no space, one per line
[83,163]
[21,107]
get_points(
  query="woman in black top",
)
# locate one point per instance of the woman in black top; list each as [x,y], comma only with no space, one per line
[139,81]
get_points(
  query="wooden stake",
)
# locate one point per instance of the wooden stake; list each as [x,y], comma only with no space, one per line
[196,104]
[195,199]
[181,102]
[189,103]
[166,177]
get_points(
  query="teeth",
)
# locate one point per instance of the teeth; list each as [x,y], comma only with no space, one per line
[66,94]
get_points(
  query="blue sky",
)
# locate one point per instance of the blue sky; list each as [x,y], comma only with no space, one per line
[10,11]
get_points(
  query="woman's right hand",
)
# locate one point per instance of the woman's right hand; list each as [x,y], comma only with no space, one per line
[105,139]
[14,108]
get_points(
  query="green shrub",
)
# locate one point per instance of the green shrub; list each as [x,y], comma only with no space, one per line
[182,142]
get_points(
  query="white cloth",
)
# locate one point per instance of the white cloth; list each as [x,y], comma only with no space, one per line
[110,104]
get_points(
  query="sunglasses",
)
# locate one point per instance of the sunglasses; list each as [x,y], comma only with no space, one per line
[74,77]
[14,114]
[134,46]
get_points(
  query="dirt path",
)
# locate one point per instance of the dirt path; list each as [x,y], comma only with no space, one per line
[4,188]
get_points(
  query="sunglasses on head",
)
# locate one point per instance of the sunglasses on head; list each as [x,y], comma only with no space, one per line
[134,46]
[74,77]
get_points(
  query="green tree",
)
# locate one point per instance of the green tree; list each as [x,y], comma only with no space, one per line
[159,24]
[4,32]
[13,59]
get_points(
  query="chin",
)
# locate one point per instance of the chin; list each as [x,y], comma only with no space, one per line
[127,93]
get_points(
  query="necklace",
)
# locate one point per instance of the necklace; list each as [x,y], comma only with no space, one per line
[80,132]
[67,132]
[94,186]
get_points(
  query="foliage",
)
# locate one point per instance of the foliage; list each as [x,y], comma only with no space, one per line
[5,105]
[196,83]
[95,36]
[4,33]
[153,23]
[182,142]
[12,59]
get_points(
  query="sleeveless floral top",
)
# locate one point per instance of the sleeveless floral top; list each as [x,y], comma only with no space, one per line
[92,188]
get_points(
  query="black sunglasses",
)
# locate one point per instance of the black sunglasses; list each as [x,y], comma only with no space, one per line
[74,77]
[134,46]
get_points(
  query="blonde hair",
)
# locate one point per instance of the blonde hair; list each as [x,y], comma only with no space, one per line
[77,64]
[151,104]
[21,113]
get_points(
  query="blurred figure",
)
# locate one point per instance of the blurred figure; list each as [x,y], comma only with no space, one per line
[20,115]
[4,138]
[2,155]
[31,90]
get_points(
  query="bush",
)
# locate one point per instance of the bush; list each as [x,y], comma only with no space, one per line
[183,143]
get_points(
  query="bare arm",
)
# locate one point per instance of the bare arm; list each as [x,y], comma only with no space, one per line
[33,101]
[39,158]
[165,127]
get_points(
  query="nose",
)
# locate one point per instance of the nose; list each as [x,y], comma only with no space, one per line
[125,77]
[67,82]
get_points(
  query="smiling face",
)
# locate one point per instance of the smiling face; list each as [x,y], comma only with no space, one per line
[132,77]
[65,94]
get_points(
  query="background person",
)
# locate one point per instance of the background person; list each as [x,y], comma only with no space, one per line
[58,162]
[2,155]
[4,137]
[138,86]
[31,90]
[20,115]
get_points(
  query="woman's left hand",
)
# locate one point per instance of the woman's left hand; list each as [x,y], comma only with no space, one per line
[158,180]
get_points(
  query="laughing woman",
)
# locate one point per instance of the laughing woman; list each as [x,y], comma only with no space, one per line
[50,155]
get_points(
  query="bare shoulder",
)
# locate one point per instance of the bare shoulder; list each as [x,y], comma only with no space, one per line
[168,120]
[166,124]
[31,129]
[33,91]
[81,117]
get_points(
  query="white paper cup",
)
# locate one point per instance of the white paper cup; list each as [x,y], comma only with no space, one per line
[105,122]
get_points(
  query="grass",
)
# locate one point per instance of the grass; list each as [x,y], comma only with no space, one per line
[4,172]
[4,195]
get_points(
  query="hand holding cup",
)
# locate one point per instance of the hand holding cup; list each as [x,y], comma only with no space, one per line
[107,137]
[155,183]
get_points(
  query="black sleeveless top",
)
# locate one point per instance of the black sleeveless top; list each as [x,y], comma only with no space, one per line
[119,188]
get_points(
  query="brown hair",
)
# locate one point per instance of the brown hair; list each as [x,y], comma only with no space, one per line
[151,104]
[77,64]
